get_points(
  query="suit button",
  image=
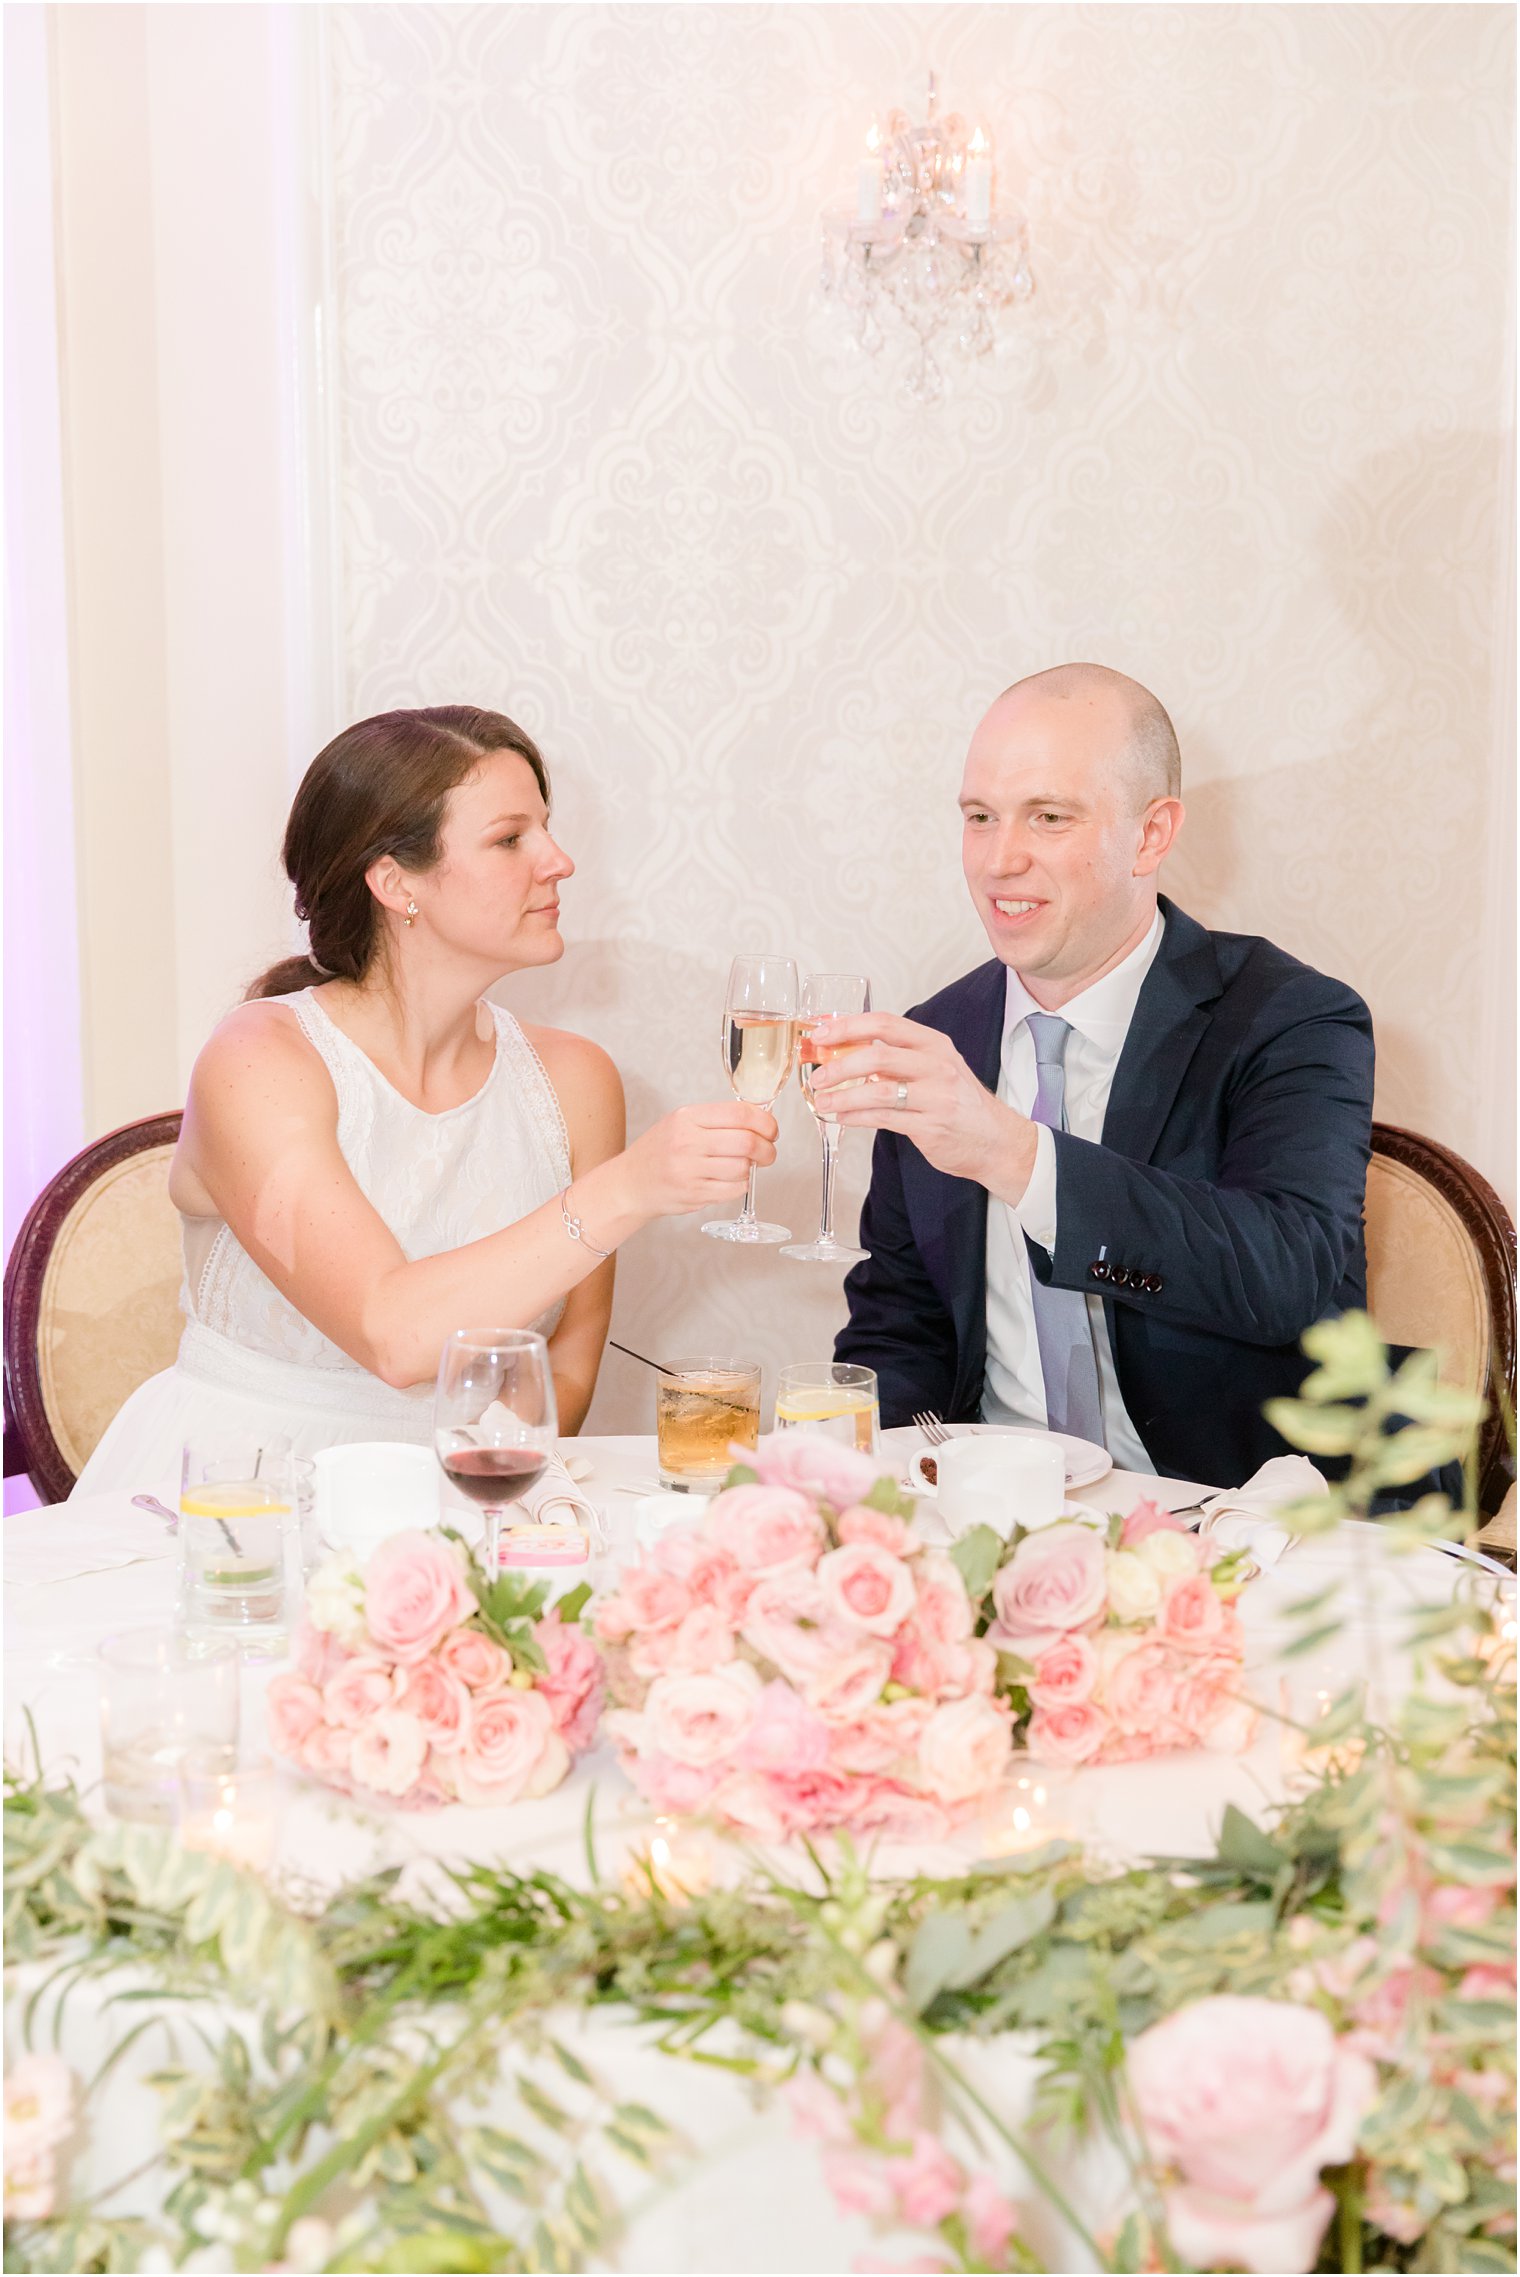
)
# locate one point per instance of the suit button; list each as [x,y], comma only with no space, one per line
[1098,1272]
[1152,1284]
[1120,1276]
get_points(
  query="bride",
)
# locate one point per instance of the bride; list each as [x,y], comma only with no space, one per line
[372,1156]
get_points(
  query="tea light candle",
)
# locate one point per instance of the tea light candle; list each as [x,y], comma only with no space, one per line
[1024,1813]
[230,1818]
[1497,1649]
[677,1860]
[1306,1759]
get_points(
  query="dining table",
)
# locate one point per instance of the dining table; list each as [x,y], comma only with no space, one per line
[749,2194]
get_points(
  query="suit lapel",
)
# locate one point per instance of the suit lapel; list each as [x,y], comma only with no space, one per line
[1169,1021]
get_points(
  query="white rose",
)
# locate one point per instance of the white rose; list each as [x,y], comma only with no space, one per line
[335,1601]
[1134,1587]
[1167,1552]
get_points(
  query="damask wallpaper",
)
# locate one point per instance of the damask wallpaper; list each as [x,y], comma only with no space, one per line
[604,465]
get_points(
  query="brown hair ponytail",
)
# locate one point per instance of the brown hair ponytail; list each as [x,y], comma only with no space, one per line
[379,788]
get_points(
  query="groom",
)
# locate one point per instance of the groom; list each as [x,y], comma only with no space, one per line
[1119,1169]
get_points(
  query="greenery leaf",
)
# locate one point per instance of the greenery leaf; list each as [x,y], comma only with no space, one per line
[976,1555]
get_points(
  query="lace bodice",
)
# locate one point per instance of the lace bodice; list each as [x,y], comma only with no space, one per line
[438,1181]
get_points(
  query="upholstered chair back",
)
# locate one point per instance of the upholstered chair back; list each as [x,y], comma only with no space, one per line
[91,1299]
[1440,1267]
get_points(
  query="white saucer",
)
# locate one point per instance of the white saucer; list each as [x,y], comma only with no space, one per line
[1086,1461]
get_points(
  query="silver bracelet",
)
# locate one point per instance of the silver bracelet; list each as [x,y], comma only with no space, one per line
[574,1229]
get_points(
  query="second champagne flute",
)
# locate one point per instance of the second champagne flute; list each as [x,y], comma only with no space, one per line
[759,1031]
[494,1419]
[826,996]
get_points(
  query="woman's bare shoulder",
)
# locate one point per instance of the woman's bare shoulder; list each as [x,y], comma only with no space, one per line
[575,1061]
[260,1053]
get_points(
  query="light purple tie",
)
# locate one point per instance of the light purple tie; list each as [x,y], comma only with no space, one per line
[1060,1315]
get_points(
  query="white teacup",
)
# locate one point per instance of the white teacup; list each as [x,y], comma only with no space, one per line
[373,1489]
[1001,1482]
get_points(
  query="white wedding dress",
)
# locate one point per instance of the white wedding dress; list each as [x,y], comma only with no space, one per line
[248,1360]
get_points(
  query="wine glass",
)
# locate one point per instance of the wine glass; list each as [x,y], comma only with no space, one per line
[826,996]
[494,1419]
[759,1032]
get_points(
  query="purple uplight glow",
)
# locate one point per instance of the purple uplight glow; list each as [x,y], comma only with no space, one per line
[44,1089]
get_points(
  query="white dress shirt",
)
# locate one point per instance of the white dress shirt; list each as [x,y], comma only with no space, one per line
[1014,1390]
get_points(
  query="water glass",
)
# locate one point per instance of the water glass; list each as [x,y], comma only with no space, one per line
[701,1408]
[167,1701]
[238,1530]
[831,1396]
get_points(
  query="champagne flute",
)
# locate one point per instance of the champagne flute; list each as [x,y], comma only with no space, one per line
[494,1419]
[759,1033]
[826,996]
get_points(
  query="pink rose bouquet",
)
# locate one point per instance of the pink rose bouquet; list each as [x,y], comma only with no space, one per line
[795,1659]
[421,1681]
[1114,1639]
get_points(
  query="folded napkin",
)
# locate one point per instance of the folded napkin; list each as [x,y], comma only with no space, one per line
[34,1559]
[1242,1518]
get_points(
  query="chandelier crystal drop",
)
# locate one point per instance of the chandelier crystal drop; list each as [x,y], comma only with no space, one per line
[925,257]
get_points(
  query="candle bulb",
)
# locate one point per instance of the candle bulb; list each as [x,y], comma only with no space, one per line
[869,180]
[978,176]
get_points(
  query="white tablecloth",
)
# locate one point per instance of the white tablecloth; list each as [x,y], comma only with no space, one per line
[755,2199]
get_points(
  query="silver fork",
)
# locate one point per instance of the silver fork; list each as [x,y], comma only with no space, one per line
[932,1428]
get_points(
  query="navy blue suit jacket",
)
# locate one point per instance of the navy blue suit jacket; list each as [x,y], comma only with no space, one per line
[1220,1216]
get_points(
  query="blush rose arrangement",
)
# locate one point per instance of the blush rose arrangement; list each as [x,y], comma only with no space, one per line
[1115,1639]
[421,1681]
[795,1659]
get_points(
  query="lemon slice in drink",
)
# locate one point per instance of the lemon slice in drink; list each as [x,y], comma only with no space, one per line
[820,1407]
[240,1498]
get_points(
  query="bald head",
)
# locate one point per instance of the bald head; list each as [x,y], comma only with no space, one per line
[1144,740]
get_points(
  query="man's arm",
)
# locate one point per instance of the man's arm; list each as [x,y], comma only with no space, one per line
[897,1323]
[1258,1252]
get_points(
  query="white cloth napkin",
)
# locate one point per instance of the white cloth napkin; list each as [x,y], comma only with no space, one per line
[68,1551]
[1242,1519]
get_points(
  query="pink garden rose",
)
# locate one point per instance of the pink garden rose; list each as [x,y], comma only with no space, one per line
[786,1735]
[416,1589]
[514,1750]
[362,1687]
[476,1659]
[787,1622]
[700,1640]
[327,1751]
[647,1598]
[714,1578]
[1148,1518]
[1064,1673]
[1073,1734]
[315,1653]
[897,1812]
[572,1683]
[1055,1580]
[850,1681]
[1212,1708]
[674,1789]
[861,1524]
[964,1749]
[867,1585]
[294,1709]
[943,1613]
[809,1799]
[927,2182]
[388,1753]
[700,1720]
[1248,2099]
[883,1737]
[439,1701]
[813,1465]
[989,2219]
[1192,1613]
[860,2181]
[748,1801]
[767,1529]
[1138,1687]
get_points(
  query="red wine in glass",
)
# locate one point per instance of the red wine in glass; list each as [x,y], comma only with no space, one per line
[495,1475]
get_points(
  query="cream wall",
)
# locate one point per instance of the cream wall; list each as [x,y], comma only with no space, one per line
[598,467]
[488,360]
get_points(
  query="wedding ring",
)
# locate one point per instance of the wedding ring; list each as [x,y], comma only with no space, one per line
[902,1095]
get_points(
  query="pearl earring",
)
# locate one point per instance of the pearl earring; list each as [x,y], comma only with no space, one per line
[411,911]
